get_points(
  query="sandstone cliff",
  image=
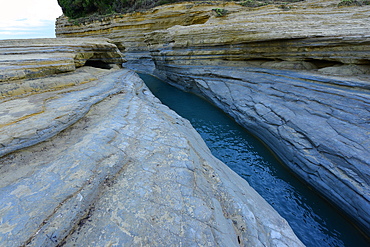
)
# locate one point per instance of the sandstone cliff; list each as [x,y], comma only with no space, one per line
[90,158]
[276,70]
[127,30]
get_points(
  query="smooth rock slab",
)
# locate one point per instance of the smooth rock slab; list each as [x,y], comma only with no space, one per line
[129,171]
[30,120]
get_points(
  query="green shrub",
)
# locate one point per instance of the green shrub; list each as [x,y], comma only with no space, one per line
[220,12]
[91,9]
[353,3]
[347,2]
[81,8]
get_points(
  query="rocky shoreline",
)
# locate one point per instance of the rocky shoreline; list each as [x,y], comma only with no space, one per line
[315,127]
[90,157]
[297,77]
[88,154]
[292,78]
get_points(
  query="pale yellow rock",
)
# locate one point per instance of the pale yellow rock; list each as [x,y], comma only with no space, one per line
[129,29]
[34,58]
[29,65]
[310,31]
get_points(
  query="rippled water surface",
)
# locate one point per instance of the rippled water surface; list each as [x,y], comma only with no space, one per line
[314,221]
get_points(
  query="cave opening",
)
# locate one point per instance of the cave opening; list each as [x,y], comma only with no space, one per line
[319,63]
[364,61]
[97,63]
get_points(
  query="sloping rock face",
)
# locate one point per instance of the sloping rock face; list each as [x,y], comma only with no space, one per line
[268,68]
[100,162]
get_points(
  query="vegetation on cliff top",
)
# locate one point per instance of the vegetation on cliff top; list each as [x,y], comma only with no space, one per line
[353,3]
[82,8]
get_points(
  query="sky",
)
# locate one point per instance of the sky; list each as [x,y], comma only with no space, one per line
[23,19]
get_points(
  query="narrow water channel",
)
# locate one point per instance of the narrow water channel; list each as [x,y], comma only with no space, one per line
[313,220]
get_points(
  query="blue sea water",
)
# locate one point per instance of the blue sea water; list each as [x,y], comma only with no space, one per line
[314,221]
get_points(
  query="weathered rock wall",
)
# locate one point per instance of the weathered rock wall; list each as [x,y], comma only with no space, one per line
[268,69]
[99,161]
[319,129]
[127,30]
[313,35]
[22,61]
[36,57]
[269,33]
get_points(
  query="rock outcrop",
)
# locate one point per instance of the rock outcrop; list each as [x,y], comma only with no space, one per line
[268,68]
[99,161]
[128,31]
[22,61]
[273,69]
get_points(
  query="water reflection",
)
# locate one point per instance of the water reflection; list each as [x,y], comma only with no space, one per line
[314,221]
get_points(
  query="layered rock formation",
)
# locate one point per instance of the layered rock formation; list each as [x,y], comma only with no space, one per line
[127,30]
[96,160]
[21,61]
[251,65]
[272,69]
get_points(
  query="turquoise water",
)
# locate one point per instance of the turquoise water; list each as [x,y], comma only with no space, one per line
[313,220]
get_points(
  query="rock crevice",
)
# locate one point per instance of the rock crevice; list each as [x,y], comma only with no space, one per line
[319,130]
[297,78]
[103,162]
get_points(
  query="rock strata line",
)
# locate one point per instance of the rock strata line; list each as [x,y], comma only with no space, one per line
[25,59]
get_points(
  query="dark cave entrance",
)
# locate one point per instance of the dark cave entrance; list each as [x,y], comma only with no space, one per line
[97,63]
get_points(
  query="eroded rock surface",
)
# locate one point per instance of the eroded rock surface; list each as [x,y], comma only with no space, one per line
[319,128]
[247,61]
[102,162]
[128,31]
[317,124]
[29,66]
[310,35]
